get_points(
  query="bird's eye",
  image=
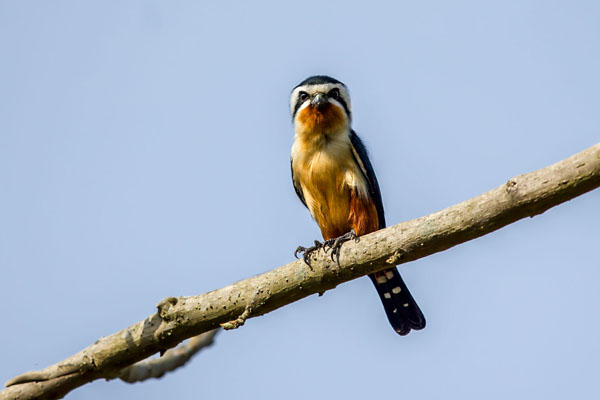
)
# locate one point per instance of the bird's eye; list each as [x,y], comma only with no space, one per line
[303,96]
[334,93]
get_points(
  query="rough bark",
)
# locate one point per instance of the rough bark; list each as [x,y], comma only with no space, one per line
[183,317]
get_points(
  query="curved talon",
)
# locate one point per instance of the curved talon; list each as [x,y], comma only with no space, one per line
[299,249]
[306,259]
[328,243]
[308,251]
[335,252]
[336,244]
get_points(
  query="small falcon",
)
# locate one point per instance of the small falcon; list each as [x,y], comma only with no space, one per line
[334,179]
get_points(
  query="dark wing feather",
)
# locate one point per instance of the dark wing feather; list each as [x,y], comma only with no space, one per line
[401,308]
[297,188]
[360,151]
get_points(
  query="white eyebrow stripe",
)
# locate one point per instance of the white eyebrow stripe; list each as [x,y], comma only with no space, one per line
[323,87]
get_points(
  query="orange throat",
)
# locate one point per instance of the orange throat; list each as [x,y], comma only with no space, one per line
[329,119]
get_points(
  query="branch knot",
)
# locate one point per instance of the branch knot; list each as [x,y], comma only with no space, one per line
[164,308]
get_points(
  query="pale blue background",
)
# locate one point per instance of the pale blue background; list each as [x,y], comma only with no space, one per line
[144,153]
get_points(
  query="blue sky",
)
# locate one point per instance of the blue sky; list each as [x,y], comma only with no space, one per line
[144,153]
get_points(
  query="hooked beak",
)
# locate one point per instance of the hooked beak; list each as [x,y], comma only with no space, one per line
[319,101]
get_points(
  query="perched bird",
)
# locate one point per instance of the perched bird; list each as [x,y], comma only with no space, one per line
[334,179]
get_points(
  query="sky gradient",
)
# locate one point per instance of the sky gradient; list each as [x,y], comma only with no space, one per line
[144,153]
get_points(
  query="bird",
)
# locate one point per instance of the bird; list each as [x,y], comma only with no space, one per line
[334,178]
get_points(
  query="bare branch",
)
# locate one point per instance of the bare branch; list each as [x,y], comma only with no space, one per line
[172,359]
[180,318]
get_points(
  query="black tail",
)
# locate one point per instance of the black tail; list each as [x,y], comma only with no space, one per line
[402,310]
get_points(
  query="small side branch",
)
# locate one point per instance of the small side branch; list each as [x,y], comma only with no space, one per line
[172,359]
[241,320]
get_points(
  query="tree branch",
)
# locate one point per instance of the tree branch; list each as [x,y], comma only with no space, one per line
[172,359]
[180,318]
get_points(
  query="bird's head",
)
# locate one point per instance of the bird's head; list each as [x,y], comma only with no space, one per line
[320,105]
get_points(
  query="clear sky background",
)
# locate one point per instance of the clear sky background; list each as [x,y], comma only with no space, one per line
[144,153]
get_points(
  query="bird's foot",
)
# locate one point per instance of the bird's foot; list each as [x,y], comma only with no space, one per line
[307,251]
[336,243]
